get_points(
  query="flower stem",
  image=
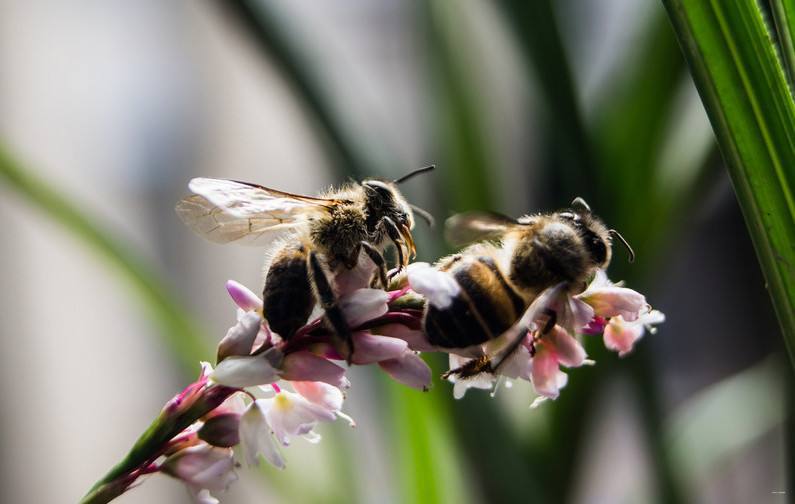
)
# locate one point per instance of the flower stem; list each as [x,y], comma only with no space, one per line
[152,444]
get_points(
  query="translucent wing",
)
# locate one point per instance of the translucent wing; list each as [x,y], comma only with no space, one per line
[464,228]
[225,211]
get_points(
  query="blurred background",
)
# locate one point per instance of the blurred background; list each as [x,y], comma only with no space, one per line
[108,108]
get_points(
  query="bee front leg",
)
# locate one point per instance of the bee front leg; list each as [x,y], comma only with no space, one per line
[378,259]
[394,235]
[343,339]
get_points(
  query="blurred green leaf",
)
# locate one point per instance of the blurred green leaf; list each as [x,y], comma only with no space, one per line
[466,162]
[723,419]
[742,85]
[271,32]
[177,329]
[784,17]
[430,466]
[536,30]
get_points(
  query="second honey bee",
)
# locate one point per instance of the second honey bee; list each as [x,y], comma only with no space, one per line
[311,241]
[498,278]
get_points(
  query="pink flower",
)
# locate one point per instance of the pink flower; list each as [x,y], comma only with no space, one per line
[323,395]
[609,300]
[369,348]
[202,467]
[620,335]
[553,350]
[306,366]
[409,369]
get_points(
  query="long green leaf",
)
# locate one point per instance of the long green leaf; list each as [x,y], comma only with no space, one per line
[784,16]
[176,327]
[742,85]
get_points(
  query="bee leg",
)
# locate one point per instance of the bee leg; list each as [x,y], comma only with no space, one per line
[378,259]
[343,339]
[394,235]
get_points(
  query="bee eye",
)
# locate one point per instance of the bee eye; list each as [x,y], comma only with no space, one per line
[598,250]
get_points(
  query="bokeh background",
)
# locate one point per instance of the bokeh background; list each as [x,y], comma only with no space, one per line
[115,105]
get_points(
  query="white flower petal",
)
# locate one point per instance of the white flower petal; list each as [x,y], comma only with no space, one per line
[239,371]
[438,287]
[362,305]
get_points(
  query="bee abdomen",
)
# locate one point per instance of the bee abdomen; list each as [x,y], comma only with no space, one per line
[485,307]
[287,299]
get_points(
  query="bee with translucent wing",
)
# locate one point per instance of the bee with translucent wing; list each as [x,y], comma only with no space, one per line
[514,262]
[310,239]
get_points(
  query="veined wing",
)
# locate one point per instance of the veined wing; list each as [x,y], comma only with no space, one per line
[225,211]
[470,227]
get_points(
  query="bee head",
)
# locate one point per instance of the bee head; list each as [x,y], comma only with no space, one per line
[383,200]
[595,235]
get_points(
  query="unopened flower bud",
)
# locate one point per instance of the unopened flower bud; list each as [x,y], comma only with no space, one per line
[221,430]
[202,466]
[243,297]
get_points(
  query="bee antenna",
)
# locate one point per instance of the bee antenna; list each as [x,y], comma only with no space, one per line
[580,204]
[424,214]
[615,233]
[413,173]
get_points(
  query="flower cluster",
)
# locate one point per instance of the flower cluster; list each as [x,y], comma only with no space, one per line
[265,391]
[546,337]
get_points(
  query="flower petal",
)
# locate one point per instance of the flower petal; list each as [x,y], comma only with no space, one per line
[221,430]
[239,372]
[369,348]
[239,339]
[620,336]
[546,373]
[362,305]
[567,349]
[256,438]
[416,339]
[203,466]
[612,301]
[306,366]
[243,297]
[438,287]
[409,369]
[322,394]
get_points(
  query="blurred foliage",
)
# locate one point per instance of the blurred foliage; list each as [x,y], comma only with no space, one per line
[175,326]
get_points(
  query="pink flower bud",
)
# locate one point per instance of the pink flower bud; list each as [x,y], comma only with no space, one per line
[243,297]
[409,369]
[416,338]
[370,348]
[221,430]
[202,466]
[306,366]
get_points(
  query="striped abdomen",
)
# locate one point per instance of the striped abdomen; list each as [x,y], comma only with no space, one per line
[485,308]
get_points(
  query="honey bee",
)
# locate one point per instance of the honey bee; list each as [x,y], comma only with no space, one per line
[515,261]
[309,240]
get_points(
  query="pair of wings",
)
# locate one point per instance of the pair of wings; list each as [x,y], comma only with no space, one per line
[229,211]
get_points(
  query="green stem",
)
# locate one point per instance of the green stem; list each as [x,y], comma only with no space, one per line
[152,444]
